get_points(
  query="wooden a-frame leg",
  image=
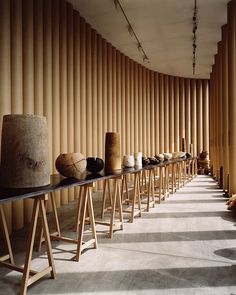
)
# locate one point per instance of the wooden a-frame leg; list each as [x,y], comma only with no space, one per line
[103,199]
[134,197]
[152,189]
[91,216]
[113,208]
[84,199]
[39,204]
[6,236]
[139,197]
[47,238]
[126,188]
[54,210]
[78,209]
[120,204]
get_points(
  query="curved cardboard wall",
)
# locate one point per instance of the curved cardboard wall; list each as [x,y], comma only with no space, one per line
[53,63]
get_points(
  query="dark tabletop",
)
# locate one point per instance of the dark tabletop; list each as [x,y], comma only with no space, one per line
[58,182]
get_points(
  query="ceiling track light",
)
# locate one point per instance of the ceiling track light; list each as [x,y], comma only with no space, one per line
[131,31]
[195,25]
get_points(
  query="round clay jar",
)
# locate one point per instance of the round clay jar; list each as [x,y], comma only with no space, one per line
[71,164]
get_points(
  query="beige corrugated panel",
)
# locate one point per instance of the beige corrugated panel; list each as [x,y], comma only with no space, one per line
[54,64]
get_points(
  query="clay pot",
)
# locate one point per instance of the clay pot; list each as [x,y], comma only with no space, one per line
[112,151]
[94,165]
[178,155]
[25,160]
[138,159]
[167,156]
[160,157]
[153,161]
[145,161]
[128,161]
[71,164]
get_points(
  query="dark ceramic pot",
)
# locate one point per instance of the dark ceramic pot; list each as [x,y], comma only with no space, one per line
[153,161]
[145,161]
[94,165]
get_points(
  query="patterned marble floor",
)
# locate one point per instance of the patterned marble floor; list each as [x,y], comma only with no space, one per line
[185,245]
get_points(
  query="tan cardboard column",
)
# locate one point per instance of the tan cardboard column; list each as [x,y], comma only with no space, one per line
[199,117]
[225,105]
[127,105]
[89,118]
[43,66]
[94,122]
[109,88]
[83,85]
[206,115]
[5,77]
[176,114]
[131,107]
[43,73]
[28,74]
[41,55]
[212,129]
[70,87]
[161,112]
[171,125]
[16,88]
[187,114]
[221,152]
[152,113]
[114,89]
[156,99]
[101,136]
[166,111]
[232,94]
[181,112]
[118,90]
[56,146]
[213,105]
[140,111]
[217,122]
[215,118]
[136,111]
[144,104]
[148,132]
[123,110]
[63,87]
[76,30]
[193,117]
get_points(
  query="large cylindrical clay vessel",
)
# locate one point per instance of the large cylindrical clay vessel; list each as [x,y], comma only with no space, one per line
[25,158]
[112,151]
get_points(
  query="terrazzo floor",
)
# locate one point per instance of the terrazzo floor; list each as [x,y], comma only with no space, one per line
[185,245]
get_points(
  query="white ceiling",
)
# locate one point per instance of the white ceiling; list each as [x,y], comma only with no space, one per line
[164,28]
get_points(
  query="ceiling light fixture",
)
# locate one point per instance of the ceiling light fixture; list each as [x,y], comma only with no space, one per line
[195,11]
[131,31]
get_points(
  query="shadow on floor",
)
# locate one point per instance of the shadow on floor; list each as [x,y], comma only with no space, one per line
[170,236]
[131,280]
[229,253]
[199,201]
[223,214]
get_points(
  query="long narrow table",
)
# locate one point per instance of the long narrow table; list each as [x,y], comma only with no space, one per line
[39,195]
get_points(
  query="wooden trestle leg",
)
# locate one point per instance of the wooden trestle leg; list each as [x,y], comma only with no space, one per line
[115,198]
[28,278]
[9,256]
[86,199]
